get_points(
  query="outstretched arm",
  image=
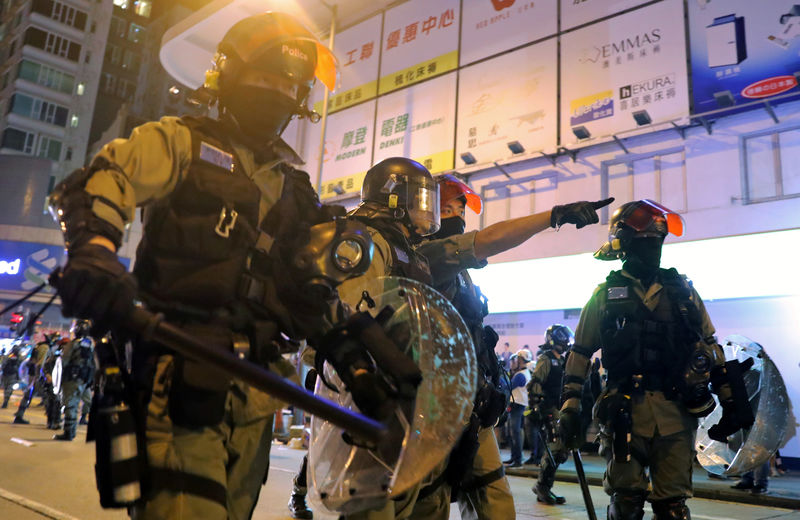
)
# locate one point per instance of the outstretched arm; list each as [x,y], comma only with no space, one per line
[508,234]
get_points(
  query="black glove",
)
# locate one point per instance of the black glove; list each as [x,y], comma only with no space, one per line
[569,428]
[727,425]
[94,285]
[580,213]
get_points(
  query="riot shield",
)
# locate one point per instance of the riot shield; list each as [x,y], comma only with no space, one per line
[346,478]
[56,375]
[748,449]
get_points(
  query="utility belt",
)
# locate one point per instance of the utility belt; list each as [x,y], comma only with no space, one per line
[198,391]
[646,382]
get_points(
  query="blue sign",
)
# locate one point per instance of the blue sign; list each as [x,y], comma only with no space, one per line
[743,51]
[25,265]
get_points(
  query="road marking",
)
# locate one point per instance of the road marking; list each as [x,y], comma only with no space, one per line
[25,443]
[42,509]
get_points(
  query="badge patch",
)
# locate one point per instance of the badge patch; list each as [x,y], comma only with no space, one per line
[215,156]
[617,293]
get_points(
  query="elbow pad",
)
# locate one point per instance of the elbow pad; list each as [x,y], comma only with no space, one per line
[71,207]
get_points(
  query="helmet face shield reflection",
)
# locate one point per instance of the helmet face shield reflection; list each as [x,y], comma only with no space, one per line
[643,216]
[422,204]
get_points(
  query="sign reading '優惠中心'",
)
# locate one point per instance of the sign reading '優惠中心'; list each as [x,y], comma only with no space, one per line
[420,41]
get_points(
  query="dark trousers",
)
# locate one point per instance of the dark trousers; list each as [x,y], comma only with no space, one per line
[532,434]
[515,431]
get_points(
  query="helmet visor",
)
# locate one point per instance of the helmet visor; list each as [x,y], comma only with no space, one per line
[451,188]
[422,204]
[642,216]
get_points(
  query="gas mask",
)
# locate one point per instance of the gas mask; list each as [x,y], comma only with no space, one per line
[695,380]
[261,113]
[450,226]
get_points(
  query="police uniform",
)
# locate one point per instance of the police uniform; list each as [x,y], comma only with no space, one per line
[77,376]
[395,257]
[484,491]
[10,374]
[206,197]
[546,383]
[663,432]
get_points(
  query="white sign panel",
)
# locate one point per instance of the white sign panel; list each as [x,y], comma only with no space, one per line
[419,123]
[579,12]
[509,98]
[358,52]
[633,64]
[492,26]
[420,40]
[348,150]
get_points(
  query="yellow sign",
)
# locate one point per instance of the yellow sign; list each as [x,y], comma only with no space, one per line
[419,72]
[437,162]
[342,185]
[350,97]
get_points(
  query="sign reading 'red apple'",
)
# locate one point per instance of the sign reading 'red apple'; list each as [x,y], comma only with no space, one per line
[634,63]
[742,52]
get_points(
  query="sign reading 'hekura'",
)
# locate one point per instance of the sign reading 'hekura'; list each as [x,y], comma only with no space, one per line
[616,68]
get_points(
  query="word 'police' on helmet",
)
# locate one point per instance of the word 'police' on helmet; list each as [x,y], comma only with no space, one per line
[638,219]
[276,43]
[560,335]
[451,188]
[407,189]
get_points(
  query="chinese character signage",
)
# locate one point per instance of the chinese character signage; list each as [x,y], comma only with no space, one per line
[509,98]
[358,52]
[489,27]
[579,12]
[743,51]
[420,41]
[627,64]
[348,150]
[419,123]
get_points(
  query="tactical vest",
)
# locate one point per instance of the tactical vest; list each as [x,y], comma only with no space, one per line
[551,387]
[196,240]
[654,344]
[405,261]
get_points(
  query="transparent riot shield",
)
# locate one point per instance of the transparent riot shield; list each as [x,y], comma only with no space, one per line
[346,478]
[748,449]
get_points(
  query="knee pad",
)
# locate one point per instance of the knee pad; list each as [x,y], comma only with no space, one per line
[626,506]
[671,509]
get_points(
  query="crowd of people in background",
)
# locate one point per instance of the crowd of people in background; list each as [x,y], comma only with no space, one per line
[57,369]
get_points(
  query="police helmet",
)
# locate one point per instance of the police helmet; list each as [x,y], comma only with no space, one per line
[558,335]
[406,191]
[275,43]
[451,188]
[80,328]
[638,219]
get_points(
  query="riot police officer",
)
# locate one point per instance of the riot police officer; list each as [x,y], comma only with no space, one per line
[475,472]
[77,374]
[223,210]
[37,380]
[659,350]
[544,396]
[10,371]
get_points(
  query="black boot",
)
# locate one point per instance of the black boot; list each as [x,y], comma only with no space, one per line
[671,509]
[18,419]
[627,506]
[546,495]
[63,436]
[297,504]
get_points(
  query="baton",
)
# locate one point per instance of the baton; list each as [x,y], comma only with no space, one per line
[151,327]
[587,497]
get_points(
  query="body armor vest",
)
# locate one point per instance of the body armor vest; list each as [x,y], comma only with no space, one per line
[652,344]
[551,387]
[405,261]
[197,239]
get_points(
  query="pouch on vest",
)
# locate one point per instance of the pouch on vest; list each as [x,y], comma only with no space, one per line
[199,390]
